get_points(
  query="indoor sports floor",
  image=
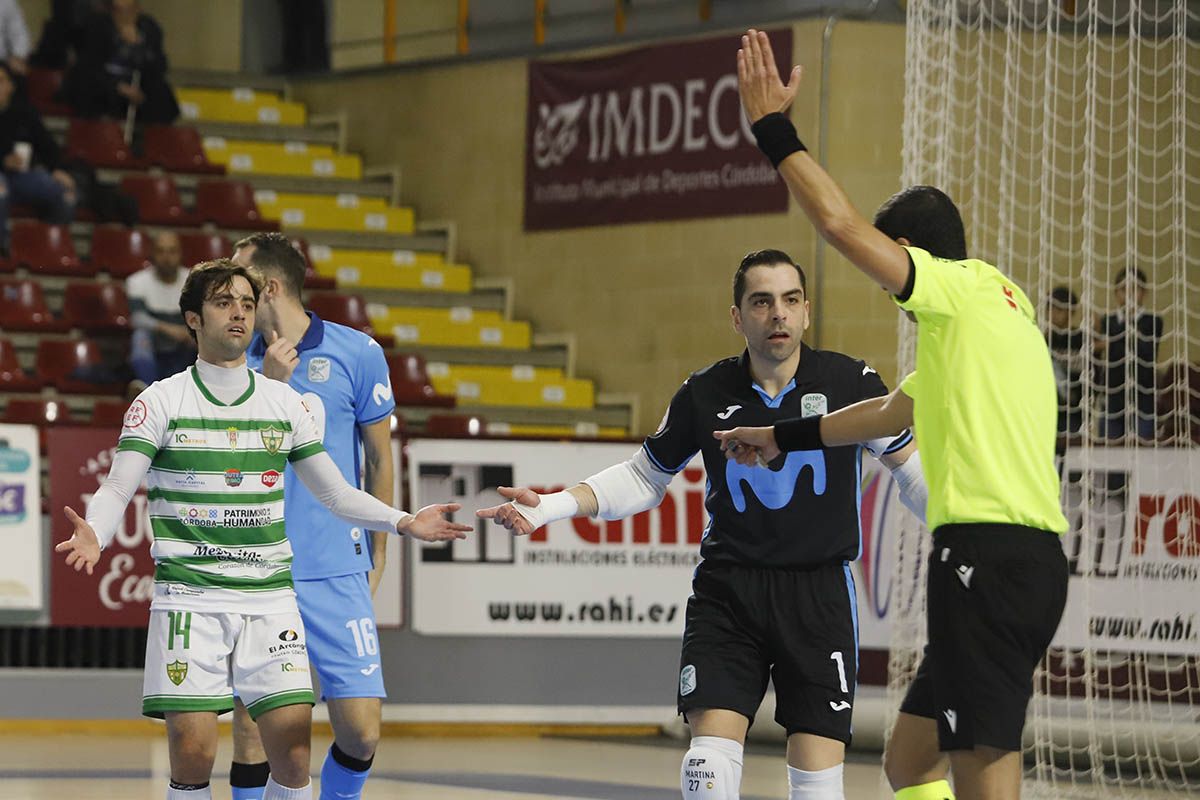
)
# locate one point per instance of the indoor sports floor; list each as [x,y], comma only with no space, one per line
[134,767]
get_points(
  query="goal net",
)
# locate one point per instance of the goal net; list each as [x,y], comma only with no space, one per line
[1068,132]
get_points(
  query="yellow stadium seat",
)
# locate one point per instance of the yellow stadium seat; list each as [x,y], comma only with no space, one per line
[449,327]
[343,212]
[390,269]
[282,158]
[239,105]
[525,386]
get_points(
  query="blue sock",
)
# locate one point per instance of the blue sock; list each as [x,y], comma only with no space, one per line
[342,777]
[247,780]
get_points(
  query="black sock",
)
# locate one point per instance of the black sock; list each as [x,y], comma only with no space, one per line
[188,787]
[249,776]
[348,762]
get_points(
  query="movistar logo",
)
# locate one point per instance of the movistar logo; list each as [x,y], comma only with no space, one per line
[775,489]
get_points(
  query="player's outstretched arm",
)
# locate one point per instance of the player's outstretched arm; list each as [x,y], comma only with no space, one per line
[527,510]
[105,511]
[766,100]
[614,493]
[866,420]
[325,481]
[431,524]
[83,548]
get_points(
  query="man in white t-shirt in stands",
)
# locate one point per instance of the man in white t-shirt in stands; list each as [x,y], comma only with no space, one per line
[161,344]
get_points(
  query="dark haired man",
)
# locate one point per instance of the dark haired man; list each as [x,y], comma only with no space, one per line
[343,377]
[774,594]
[1130,324]
[215,441]
[983,400]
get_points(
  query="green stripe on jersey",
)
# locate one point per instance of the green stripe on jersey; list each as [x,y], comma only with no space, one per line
[219,461]
[206,424]
[171,528]
[175,572]
[215,498]
[143,446]
[305,450]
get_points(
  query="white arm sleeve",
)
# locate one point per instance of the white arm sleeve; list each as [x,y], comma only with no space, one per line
[888,444]
[629,487]
[911,482]
[107,506]
[321,476]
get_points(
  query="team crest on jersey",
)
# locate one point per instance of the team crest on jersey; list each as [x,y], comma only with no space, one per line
[272,439]
[318,369]
[814,404]
[177,671]
[233,438]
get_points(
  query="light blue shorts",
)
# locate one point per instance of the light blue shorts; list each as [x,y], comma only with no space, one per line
[343,646]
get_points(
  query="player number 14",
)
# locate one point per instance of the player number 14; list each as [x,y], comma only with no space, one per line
[364,636]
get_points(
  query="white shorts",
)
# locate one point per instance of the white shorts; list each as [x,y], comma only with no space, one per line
[195,661]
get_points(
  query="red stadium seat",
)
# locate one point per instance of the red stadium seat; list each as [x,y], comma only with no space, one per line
[411,385]
[109,413]
[178,149]
[12,377]
[70,364]
[43,85]
[45,249]
[23,308]
[100,143]
[96,307]
[455,426]
[349,310]
[158,200]
[119,251]
[230,204]
[41,412]
[200,246]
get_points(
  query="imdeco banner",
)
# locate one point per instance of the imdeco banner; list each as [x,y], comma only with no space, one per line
[651,134]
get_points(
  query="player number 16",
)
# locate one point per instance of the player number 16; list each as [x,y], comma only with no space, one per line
[364,636]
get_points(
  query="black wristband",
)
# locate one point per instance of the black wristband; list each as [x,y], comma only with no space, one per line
[777,137]
[798,433]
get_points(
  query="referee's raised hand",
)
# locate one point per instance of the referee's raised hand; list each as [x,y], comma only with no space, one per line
[762,90]
[749,446]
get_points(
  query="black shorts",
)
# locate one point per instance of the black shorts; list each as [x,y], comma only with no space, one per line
[797,626]
[996,595]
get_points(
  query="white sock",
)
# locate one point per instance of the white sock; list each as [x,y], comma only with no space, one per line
[824,784]
[189,794]
[712,769]
[274,791]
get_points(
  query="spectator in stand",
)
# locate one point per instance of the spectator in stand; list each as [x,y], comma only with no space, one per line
[31,164]
[1129,325]
[64,33]
[122,62]
[14,37]
[161,344]
[1065,338]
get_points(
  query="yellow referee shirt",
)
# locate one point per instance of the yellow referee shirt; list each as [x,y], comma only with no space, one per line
[984,398]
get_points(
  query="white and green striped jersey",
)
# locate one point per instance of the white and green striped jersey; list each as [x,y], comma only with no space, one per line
[216,490]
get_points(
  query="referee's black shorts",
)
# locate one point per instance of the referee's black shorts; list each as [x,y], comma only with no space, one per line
[996,594]
[797,626]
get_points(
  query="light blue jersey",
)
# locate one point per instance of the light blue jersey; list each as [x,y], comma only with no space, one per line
[343,378]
